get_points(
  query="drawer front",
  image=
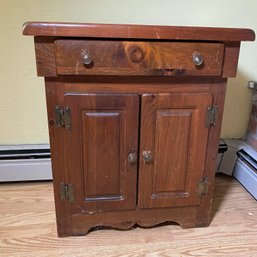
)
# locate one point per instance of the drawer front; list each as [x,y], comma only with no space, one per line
[91,57]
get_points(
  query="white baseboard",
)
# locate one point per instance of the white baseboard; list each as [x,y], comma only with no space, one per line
[25,163]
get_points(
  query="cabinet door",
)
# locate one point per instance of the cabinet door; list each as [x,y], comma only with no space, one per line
[104,131]
[174,139]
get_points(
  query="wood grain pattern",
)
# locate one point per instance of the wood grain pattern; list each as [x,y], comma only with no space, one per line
[231,56]
[163,139]
[184,216]
[137,58]
[54,97]
[81,223]
[46,64]
[45,56]
[105,119]
[218,90]
[97,150]
[136,31]
[46,33]
[27,228]
[135,85]
[170,162]
[101,182]
[82,220]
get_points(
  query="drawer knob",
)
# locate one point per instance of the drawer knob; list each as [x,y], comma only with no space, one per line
[197,59]
[86,59]
[147,155]
[132,157]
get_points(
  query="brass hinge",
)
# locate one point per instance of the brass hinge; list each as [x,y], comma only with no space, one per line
[211,116]
[66,191]
[62,117]
[202,188]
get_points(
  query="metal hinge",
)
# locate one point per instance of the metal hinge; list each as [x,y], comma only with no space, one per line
[62,117]
[202,188]
[211,116]
[66,191]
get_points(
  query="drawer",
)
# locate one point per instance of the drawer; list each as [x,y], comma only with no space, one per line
[136,58]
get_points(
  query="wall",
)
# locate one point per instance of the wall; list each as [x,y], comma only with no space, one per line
[22,103]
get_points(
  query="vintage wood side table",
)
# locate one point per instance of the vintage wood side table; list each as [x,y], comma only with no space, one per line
[134,115]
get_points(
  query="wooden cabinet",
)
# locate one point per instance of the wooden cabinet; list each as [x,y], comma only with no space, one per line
[134,120]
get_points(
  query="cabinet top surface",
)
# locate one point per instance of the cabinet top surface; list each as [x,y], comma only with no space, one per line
[137,31]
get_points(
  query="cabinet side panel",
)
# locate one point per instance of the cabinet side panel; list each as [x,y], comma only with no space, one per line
[54,97]
[231,56]
[203,216]
[45,56]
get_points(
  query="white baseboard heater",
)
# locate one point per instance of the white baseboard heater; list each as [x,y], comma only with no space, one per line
[245,170]
[25,163]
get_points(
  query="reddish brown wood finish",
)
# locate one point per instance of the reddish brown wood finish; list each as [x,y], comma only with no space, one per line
[46,62]
[59,29]
[231,59]
[103,133]
[203,215]
[137,58]
[143,104]
[45,56]
[54,96]
[82,219]
[173,129]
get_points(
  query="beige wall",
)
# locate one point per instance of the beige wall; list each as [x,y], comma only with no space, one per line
[22,104]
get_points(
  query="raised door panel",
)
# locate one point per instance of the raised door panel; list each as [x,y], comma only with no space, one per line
[173,131]
[104,130]
[101,141]
[169,157]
